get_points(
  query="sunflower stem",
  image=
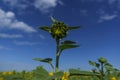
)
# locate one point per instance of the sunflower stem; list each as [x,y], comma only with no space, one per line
[57,55]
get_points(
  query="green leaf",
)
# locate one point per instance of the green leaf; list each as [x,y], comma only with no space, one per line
[102,60]
[109,68]
[76,72]
[97,65]
[68,42]
[45,28]
[37,59]
[47,60]
[40,73]
[71,70]
[53,20]
[72,28]
[108,64]
[63,47]
[92,63]
[58,75]
[67,45]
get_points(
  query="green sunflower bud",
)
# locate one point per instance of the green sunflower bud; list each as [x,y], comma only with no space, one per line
[102,60]
[59,30]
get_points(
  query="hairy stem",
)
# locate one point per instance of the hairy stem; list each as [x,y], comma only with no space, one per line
[102,71]
[57,55]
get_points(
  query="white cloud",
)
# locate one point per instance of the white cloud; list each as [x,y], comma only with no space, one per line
[25,43]
[21,4]
[42,5]
[41,36]
[107,17]
[8,20]
[10,15]
[2,35]
[84,12]
[45,5]
[111,1]
[3,47]
[100,11]
[11,2]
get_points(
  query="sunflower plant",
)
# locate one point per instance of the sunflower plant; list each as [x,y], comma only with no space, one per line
[58,30]
[102,67]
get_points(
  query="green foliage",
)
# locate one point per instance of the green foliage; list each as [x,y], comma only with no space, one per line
[45,28]
[94,64]
[103,67]
[53,20]
[58,30]
[14,77]
[40,74]
[73,74]
[67,45]
[46,60]
[72,28]
[76,72]
[102,60]
[58,75]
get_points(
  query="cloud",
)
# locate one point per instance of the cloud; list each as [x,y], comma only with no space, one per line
[3,47]
[46,5]
[41,36]
[2,35]
[21,4]
[107,17]
[111,1]
[8,20]
[25,43]
[43,5]
[84,12]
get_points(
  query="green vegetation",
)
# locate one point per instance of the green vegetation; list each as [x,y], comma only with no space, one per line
[102,69]
[108,73]
[58,31]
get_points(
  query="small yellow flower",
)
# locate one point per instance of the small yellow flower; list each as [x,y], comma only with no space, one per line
[4,73]
[31,74]
[113,78]
[1,78]
[10,73]
[65,76]
[51,74]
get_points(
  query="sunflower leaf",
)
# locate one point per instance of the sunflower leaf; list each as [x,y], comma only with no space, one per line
[47,60]
[45,28]
[68,42]
[53,20]
[92,63]
[74,27]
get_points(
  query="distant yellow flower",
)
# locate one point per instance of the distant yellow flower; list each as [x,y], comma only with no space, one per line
[51,73]
[10,73]
[4,73]
[65,76]
[113,78]
[31,74]
[1,78]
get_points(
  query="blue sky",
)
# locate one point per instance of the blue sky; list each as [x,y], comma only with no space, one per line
[21,40]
